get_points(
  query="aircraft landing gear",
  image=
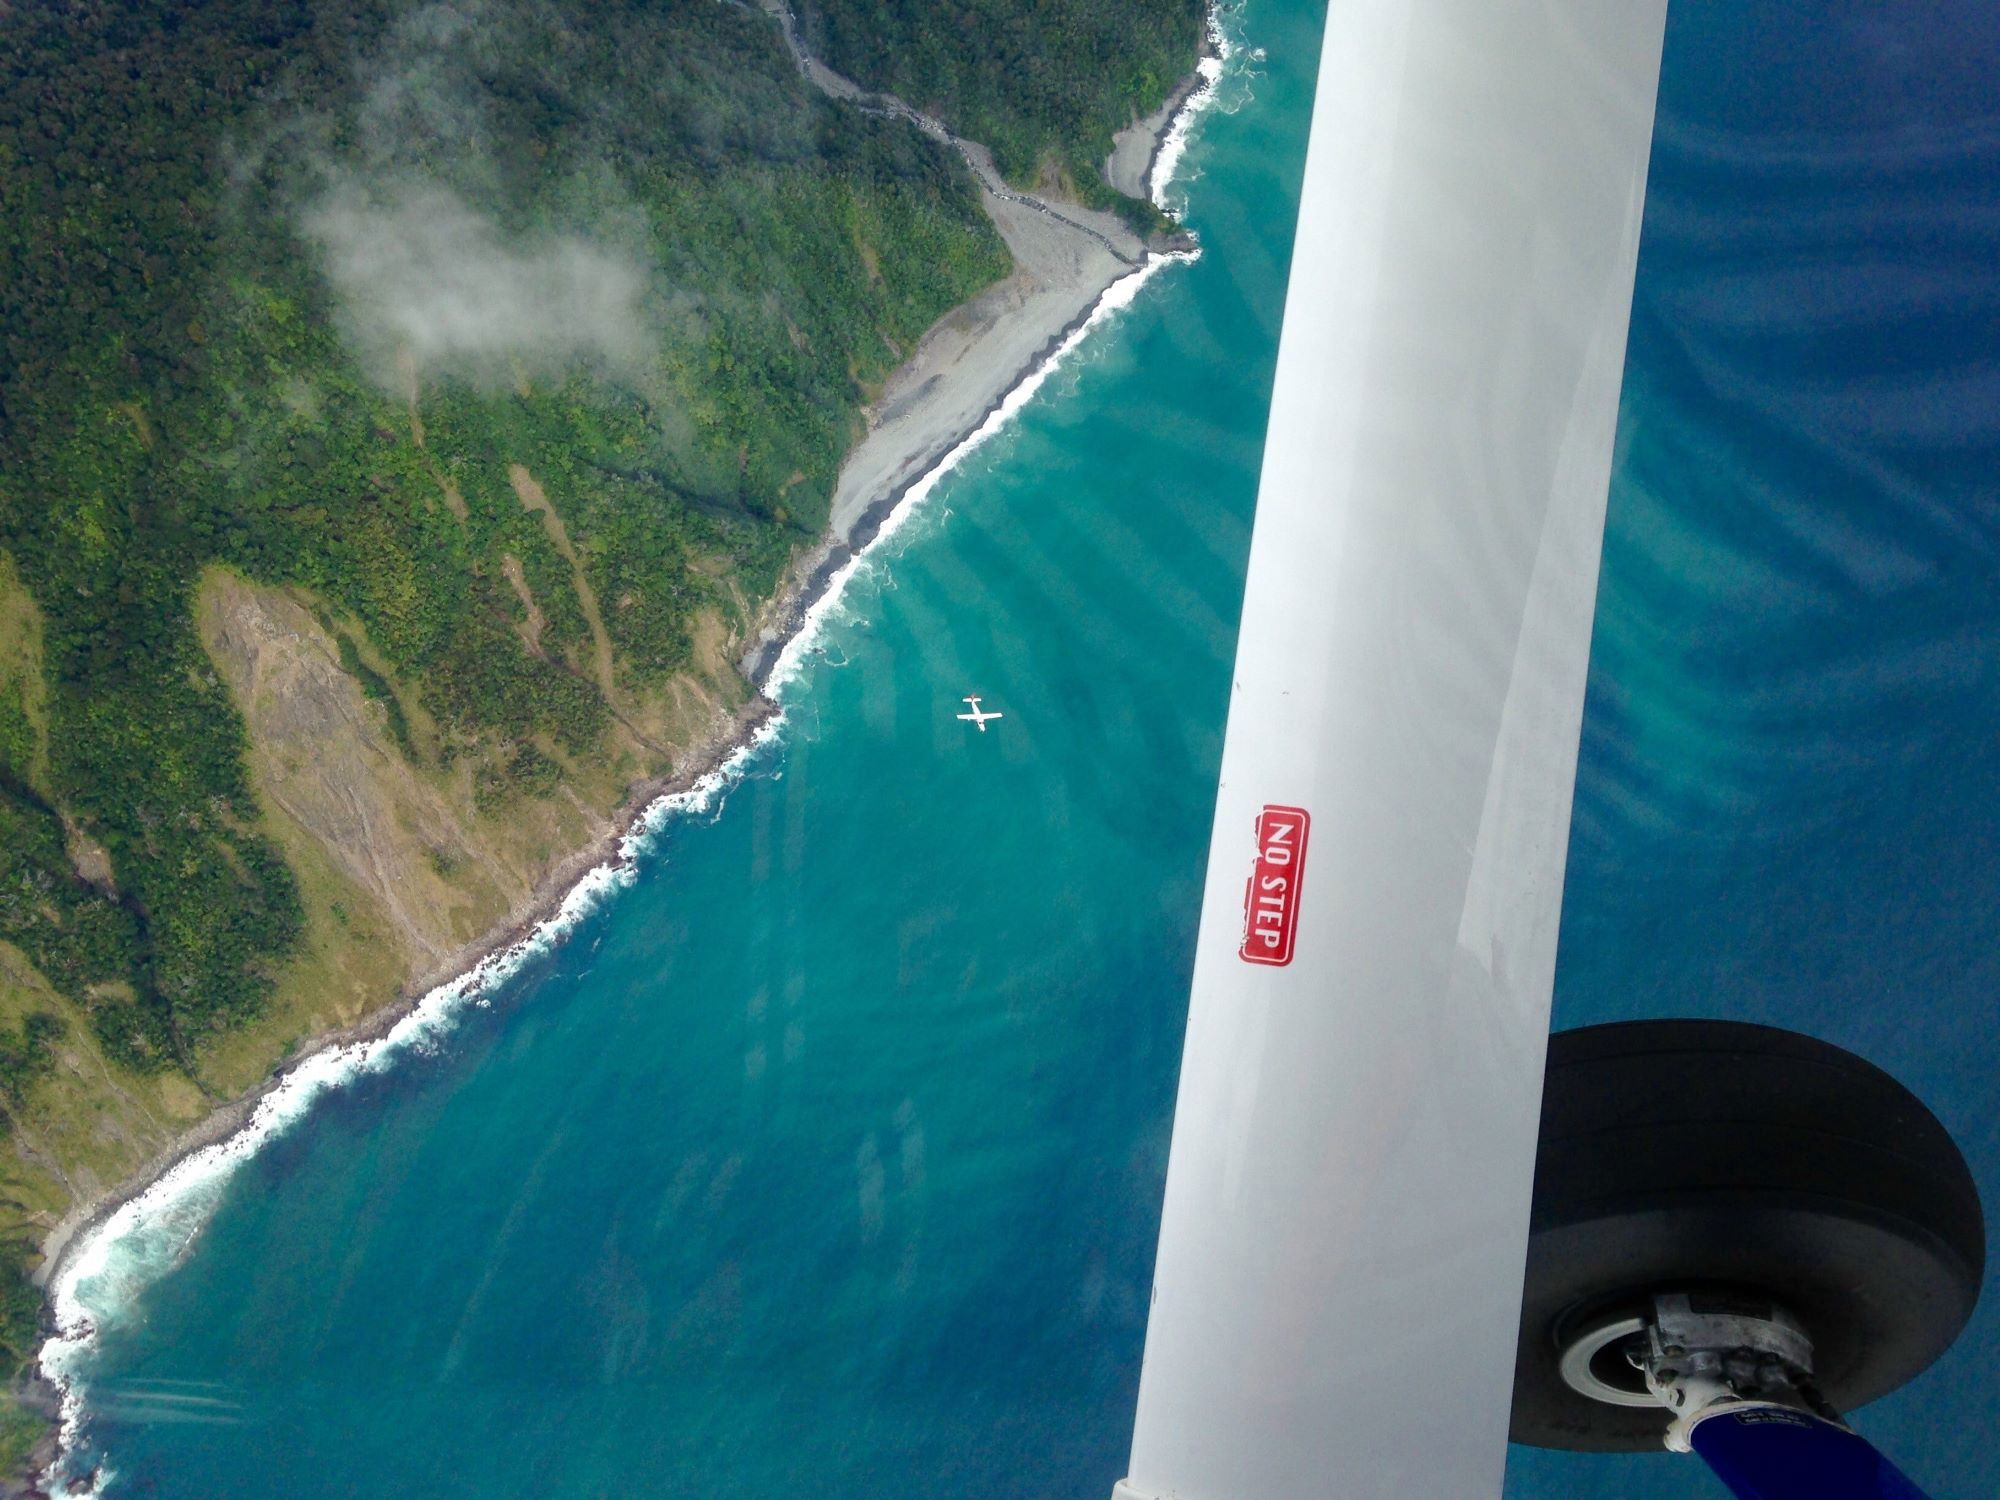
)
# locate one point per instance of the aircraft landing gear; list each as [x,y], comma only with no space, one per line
[1735,1231]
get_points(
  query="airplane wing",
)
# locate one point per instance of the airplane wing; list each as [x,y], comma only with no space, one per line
[1339,1275]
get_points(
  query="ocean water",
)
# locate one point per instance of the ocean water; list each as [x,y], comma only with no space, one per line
[825,1157]
[1786,810]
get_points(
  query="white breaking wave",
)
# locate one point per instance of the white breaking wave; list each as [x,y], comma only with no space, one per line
[1174,144]
[100,1275]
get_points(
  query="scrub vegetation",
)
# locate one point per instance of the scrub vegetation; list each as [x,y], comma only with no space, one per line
[517,344]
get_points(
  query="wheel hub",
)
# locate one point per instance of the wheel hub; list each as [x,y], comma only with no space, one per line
[1692,1354]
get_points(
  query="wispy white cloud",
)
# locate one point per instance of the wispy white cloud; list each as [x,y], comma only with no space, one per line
[419,265]
[418,269]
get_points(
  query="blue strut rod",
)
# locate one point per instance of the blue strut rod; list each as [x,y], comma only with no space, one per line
[1771,1452]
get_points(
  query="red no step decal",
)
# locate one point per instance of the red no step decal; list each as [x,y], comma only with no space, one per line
[1271,900]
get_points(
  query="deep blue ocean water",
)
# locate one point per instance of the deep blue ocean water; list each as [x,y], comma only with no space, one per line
[827,1158]
[1787,809]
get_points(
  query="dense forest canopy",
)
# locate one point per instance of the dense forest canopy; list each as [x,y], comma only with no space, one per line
[296,288]
[1043,84]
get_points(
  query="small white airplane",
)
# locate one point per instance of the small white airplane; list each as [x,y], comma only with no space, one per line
[978,715]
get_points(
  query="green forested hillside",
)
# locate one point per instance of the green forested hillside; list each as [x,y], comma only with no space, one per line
[1042,84]
[289,288]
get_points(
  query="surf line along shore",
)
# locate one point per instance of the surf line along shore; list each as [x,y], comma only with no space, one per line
[981,362]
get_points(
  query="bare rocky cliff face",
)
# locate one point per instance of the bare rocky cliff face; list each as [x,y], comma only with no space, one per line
[325,764]
[398,850]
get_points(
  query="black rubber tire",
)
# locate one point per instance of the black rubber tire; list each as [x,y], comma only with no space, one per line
[1713,1155]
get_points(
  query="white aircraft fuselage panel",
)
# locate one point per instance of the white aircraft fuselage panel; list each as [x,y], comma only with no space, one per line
[1338,1282]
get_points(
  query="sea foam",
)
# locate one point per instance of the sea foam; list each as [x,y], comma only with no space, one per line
[1173,145]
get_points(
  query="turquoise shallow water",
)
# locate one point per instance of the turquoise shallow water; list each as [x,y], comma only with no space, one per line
[828,1156]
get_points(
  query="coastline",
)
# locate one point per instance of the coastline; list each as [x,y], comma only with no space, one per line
[970,373]
[821,567]
[727,738]
[1137,150]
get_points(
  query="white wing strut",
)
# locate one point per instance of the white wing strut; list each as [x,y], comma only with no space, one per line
[1339,1273]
